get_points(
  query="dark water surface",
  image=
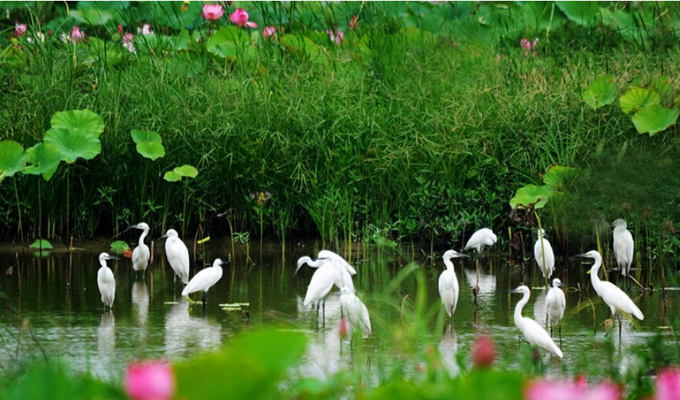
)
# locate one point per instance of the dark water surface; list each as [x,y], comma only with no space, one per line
[151,320]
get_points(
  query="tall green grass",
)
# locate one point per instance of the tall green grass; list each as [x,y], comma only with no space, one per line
[422,136]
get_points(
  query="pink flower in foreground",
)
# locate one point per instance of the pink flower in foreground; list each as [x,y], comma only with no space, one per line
[77,35]
[120,29]
[240,18]
[668,385]
[19,29]
[336,36]
[268,31]
[343,328]
[483,351]
[129,43]
[528,46]
[353,22]
[149,381]
[569,390]
[212,12]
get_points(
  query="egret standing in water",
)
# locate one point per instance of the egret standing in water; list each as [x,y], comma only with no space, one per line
[105,281]
[532,331]
[555,303]
[623,246]
[343,273]
[141,254]
[479,240]
[355,310]
[178,254]
[619,303]
[543,252]
[204,280]
[448,282]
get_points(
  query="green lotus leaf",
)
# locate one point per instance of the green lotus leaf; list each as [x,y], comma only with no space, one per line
[601,92]
[186,170]
[654,119]
[41,243]
[662,86]
[119,246]
[558,175]
[584,13]
[172,176]
[91,16]
[79,120]
[12,158]
[43,159]
[637,98]
[532,194]
[299,44]
[74,144]
[149,144]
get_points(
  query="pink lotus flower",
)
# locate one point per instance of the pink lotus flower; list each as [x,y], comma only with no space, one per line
[145,30]
[343,328]
[268,31]
[74,36]
[353,22]
[528,46]
[569,390]
[19,29]
[120,29]
[483,351]
[129,43]
[336,36]
[212,12]
[240,18]
[149,381]
[668,385]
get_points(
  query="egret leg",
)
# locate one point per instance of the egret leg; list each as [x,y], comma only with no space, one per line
[559,329]
[551,329]
[205,295]
[323,318]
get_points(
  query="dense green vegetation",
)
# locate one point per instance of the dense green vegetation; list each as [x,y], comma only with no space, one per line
[420,125]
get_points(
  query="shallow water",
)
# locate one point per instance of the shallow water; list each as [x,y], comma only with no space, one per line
[151,320]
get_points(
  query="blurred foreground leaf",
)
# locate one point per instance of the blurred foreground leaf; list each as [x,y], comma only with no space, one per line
[250,367]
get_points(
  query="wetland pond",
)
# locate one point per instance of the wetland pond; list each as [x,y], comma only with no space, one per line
[150,320]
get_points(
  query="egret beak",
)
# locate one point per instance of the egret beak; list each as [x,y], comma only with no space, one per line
[297,269]
[514,290]
[463,255]
[163,237]
[113,258]
[582,255]
[562,284]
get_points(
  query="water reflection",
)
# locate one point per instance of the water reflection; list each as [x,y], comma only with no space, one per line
[106,336]
[331,310]
[487,287]
[448,348]
[140,300]
[185,334]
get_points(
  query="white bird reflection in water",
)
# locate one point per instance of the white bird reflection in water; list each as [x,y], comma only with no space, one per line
[106,337]
[487,287]
[184,333]
[323,356]
[448,348]
[140,301]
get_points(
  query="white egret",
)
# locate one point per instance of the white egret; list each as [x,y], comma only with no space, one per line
[178,254]
[555,303]
[327,254]
[343,274]
[355,310]
[448,282]
[623,245]
[532,331]
[481,239]
[545,258]
[619,303]
[204,280]
[141,254]
[105,281]
[328,274]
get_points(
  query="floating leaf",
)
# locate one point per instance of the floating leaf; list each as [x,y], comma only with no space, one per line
[530,194]
[637,98]
[74,144]
[12,158]
[43,158]
[654,119]
[255,364]
[41,243]
[79,121]
[601,92]
[149,144]
[172,176]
